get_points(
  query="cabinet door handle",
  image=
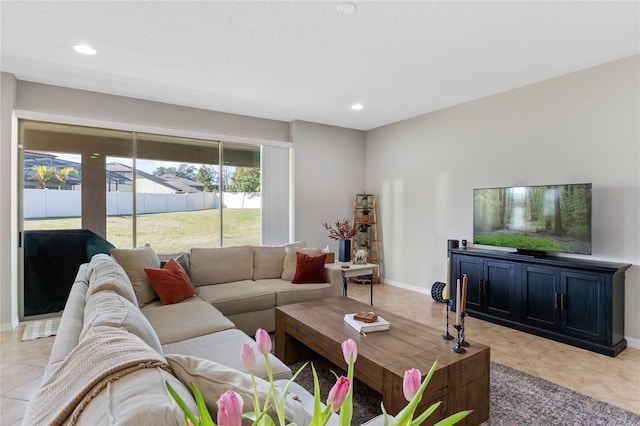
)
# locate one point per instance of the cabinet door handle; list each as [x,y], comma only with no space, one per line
[563,302]
[556,300]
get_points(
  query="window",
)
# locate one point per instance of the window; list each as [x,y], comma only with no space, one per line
[138,188]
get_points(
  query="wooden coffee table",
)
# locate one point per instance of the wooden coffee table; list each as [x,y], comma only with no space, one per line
[461,381]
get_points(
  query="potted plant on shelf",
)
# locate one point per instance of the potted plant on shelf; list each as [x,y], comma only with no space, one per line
[363,229]
[365,216]
[344,231]
[364,199]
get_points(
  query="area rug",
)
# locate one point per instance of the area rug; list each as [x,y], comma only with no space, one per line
[41,328]
[517,398]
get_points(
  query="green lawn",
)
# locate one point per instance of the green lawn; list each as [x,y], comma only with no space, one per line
[169,232]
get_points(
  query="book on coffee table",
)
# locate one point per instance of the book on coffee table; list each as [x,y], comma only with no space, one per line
[380,324]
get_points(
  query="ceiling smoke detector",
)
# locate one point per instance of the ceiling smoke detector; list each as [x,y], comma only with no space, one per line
[346,8]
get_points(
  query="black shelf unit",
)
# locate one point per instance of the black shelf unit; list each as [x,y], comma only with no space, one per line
[575,301]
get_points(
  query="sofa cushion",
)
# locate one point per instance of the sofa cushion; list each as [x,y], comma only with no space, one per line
[290,260]
[267,262]
[103,273]
[221,265]
[288,293]
[139,398]
[171,282]
[133,261]
[107,308]
[213,379]
[238,297]
[309,269]
[190,318]
[224,348]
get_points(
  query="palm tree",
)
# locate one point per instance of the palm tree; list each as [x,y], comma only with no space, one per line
[60,176]
[43,174]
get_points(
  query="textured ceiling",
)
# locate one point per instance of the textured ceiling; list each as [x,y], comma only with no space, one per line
[304,60]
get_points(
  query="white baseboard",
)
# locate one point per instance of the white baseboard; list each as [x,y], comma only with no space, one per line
[407,286]
[7,326]
[633,343]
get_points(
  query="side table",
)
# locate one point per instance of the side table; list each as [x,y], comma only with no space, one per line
[348,270]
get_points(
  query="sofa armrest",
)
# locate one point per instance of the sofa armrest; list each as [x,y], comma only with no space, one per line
[334,277]
[70,325]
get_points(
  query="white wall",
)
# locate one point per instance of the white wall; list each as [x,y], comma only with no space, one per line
[8,214]
[328,172]
[582,127]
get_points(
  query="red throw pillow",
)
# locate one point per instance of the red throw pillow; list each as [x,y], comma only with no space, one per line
[171,282]
[309,269]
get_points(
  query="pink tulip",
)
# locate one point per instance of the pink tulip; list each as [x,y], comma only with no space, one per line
[230,409]
[411,383]
[349,349]
[264,341]
[248,357]
[338,393]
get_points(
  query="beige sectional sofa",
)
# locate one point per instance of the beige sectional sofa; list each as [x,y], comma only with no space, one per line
[247,283]
[116,346]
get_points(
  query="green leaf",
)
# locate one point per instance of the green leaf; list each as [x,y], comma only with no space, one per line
[405,416]
[181,404]
[205,417]
[317,414]
[386,416]
[421,418]
[346,411]
[454,418]
[285,391]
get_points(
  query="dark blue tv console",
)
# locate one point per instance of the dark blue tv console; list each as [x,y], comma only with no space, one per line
[575,301]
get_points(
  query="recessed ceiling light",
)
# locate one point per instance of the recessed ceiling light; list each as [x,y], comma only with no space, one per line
[346,8]
[357,107]
[85,49]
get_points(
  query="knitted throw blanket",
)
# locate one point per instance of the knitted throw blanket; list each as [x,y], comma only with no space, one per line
[99,359]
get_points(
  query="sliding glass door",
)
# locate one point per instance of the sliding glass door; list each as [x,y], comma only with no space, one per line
[130,189]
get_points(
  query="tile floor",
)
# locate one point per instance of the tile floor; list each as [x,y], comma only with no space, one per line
[614,380]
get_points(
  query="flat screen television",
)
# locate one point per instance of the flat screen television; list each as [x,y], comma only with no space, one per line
[534,219]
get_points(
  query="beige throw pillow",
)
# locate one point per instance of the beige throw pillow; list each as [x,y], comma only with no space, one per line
[213,379]
[133,261]
[290,262]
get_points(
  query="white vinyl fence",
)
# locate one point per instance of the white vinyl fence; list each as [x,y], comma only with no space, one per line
[45,203]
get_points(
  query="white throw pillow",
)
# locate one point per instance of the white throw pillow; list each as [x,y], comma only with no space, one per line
[213,379]
[290,261]
[133,261]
